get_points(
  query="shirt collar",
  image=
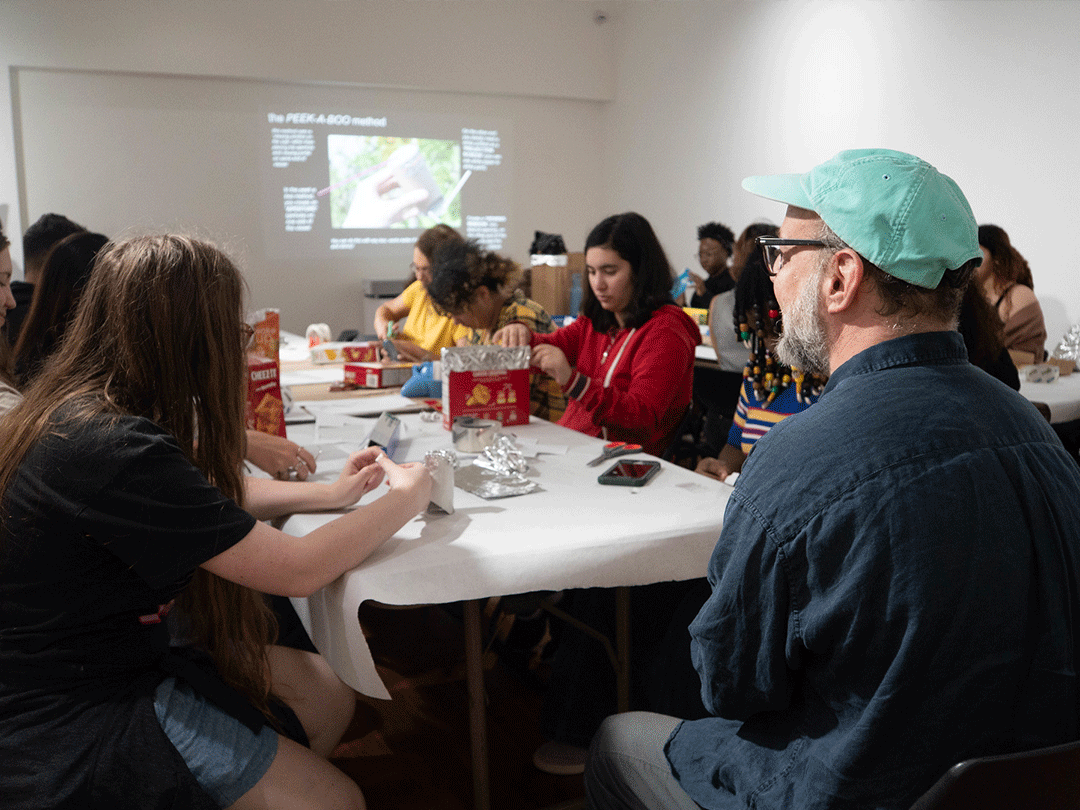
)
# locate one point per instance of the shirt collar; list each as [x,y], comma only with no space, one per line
[924,348]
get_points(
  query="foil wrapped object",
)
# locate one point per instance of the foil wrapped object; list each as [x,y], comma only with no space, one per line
[1069,348]
[504,456]
[485,358]
[441,463]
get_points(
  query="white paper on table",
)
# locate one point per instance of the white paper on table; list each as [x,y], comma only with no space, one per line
[313,376]
[363,405]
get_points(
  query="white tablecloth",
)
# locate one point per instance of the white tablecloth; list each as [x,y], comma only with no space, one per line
[574,533]
[1062,395]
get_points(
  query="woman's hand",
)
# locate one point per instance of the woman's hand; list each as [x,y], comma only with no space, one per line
[712,468]
[360,475]
[730,461]
[408,352]
[413,480]
[278,456]
[513,334]
[551,360]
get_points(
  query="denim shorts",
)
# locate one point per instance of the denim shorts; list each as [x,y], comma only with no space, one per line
[225,756]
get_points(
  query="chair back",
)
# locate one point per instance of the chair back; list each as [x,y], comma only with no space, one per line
[1043,779]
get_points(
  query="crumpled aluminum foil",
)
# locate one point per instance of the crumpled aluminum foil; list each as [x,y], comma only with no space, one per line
[504,456]
[441,464]
[1069,348]
[484,358]
[499,471]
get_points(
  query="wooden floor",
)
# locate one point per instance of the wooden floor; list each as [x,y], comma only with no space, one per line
[412,752]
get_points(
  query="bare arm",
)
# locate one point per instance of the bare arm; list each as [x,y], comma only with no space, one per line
[273,562]
[730,461]
[278,456]
[267,499]
[391,311]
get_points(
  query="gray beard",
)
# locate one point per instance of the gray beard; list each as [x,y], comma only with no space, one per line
[803,344]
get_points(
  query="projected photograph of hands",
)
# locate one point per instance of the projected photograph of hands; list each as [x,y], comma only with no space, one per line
[391,182]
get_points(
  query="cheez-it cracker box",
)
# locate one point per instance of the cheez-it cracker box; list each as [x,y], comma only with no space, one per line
[265,411]
[377,375]
[486,382]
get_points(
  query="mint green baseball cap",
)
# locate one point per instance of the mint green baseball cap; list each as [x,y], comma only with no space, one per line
[894,209]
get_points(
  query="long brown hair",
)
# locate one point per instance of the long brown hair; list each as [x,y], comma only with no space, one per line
[1008,266]
[157,334]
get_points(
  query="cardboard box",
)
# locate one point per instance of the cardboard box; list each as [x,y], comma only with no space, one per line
[267,326]
[265,410]
[376,375]
[1065,367]
[500,394]
[362,352]
[550,281]
[353,352]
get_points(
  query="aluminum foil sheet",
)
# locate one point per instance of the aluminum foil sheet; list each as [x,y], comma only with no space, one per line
[484,358]
[1069,348]
[489,484]
[499,472]
[440,464]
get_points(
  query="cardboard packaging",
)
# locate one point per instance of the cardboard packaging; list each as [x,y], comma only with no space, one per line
[265,410]
[354,352]
[486,382]
[551,280]
[267,326]
[376,375]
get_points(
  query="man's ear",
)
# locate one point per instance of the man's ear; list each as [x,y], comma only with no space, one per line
[842,281]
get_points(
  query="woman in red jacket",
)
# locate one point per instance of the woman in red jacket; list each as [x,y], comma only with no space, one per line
[627,364]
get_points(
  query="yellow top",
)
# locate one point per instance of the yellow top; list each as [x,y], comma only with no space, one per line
[425,327]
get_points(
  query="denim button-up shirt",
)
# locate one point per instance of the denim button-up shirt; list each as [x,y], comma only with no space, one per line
[895,589]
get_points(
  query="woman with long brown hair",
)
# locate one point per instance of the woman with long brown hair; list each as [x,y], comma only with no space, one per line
[120,481]
[1005,280]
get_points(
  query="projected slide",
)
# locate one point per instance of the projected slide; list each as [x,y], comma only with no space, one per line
[368,181]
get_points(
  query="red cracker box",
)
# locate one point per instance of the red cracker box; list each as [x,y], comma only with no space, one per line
[487,382]
[265,411]
[267,325]
[376,375]
[363,352]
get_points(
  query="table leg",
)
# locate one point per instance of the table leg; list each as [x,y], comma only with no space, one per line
[622,645]
[474,677]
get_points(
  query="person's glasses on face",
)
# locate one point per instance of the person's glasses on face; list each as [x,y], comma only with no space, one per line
[772,249]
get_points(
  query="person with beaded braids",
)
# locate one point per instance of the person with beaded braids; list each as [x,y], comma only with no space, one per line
[771,391]
[478,289]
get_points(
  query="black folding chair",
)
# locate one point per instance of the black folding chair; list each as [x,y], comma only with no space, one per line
[1043,779]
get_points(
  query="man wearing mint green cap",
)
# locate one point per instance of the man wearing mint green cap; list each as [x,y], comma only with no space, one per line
[897,585]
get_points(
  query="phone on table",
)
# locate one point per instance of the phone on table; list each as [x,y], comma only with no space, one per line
[630,473]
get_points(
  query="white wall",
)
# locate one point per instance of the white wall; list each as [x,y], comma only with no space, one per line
[688,97]
[166,72]
[708,93]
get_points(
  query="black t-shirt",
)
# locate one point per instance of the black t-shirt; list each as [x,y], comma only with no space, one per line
[714,285]
[104,524]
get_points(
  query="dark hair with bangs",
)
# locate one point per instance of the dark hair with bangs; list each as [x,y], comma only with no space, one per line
[632,237]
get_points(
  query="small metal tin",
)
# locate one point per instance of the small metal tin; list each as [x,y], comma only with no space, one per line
[472,435]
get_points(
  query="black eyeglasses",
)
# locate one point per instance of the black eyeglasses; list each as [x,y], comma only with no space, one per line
[774,255]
